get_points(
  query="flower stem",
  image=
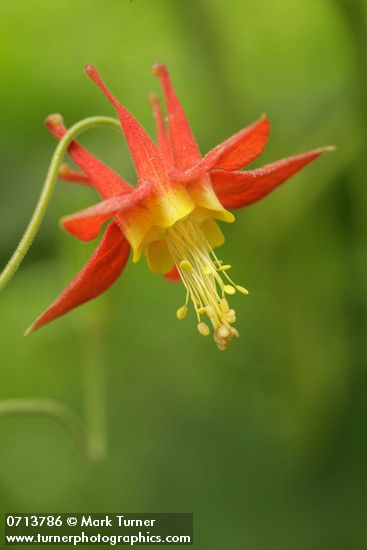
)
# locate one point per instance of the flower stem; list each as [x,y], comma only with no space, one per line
[47,192]
[93,383]
[90,438]
[49,408]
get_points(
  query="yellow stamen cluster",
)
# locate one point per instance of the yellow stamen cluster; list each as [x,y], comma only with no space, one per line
[202,274]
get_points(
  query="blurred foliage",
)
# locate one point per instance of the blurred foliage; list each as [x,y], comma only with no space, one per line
[266,443]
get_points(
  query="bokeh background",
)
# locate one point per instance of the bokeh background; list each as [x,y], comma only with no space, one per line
[266,443]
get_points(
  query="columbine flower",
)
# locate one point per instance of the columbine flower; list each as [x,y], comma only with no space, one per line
[171,215]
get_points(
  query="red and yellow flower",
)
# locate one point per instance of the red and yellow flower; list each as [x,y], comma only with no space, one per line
[171,215]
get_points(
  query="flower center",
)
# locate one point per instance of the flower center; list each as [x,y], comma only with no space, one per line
[206,280]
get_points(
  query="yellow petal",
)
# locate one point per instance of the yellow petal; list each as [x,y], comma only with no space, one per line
[136,224]
[158,256]
[146,223]
[170,205]
[212,232]
[207,203]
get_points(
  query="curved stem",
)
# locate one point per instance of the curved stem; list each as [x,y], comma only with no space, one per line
[47,192]
[51,409]
[91,438]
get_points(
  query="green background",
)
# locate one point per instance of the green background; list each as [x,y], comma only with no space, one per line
[265,443]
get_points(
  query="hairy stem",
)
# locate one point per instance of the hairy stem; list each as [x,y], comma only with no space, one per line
[90,438]
[47,192]
[50,409]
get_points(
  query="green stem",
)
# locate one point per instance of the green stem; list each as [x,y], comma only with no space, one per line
[47,192]
[91,438]
[49,409]
[93,381]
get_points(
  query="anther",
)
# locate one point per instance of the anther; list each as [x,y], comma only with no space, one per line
[207,270]
[242,290]
[181,313]
[203,329]
[222,332]
[231,316]
[226,267]
[185,265]
[229,289]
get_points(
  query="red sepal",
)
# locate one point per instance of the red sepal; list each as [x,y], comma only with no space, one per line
[186,151]
[236,152]
[238,189]
[66,173]
[103,179]
[147,159]
[86,224]
[101,271]
[163,140]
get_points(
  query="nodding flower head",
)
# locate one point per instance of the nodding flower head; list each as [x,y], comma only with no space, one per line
[171,215]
